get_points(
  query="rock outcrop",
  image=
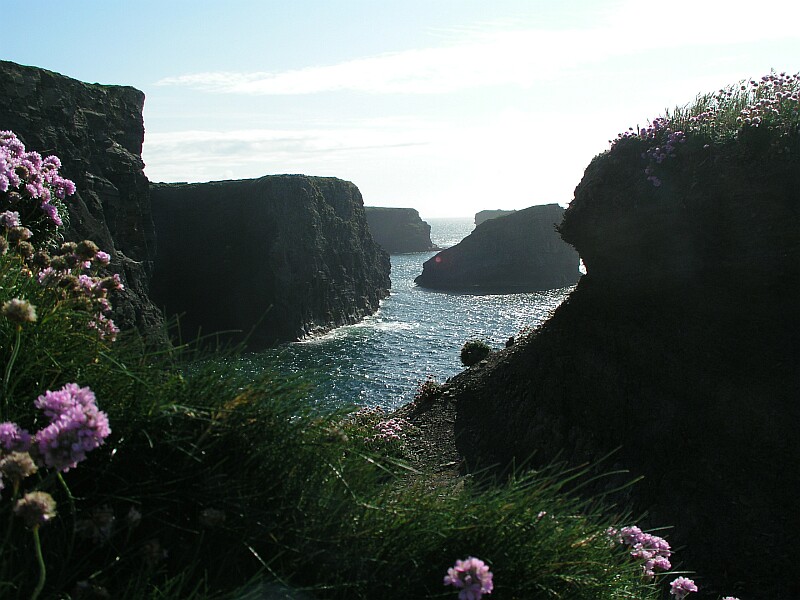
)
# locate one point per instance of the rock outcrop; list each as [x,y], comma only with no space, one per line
[97,131]
[681,347]
[519,252]
[271,259]
[485,215]
[399,230]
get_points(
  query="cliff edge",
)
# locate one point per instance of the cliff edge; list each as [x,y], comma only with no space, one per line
[97,131]
[518,252]
[274,258]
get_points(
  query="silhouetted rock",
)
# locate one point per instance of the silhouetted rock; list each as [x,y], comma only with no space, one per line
[520,252]
[681,346]
[399,230]
[485,215]
[278,257]
[97,132]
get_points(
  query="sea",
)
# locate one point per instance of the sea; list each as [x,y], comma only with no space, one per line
[416,334]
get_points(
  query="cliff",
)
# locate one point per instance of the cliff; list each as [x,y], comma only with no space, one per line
[485,215]
[680,347]
[97,132]
[519,252]
[278,257]
[399,230]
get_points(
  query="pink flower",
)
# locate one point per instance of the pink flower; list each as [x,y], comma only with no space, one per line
[682,587]
[472,576]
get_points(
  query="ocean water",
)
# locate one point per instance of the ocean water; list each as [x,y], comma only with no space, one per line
[417,333]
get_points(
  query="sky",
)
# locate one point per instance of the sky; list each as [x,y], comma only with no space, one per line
[446,106]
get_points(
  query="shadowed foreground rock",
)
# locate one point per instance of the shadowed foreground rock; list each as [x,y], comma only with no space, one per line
[278,257]
[519,252]
[681,346]
[399,230]
[97,131]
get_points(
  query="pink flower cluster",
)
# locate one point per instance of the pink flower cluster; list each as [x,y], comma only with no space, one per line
[472,576]
[773,101]
[771,97]
[682,587]
[390,430]
[87,291]
[654,551]
[76,427]
[27,176]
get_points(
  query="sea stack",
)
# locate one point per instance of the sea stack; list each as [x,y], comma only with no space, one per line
[399,230]
[518,252]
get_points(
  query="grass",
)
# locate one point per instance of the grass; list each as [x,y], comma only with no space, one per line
[213,485]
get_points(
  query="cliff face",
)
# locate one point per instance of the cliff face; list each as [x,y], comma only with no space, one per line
[97,132]
[399,230]
[283,256]
[681,346]
[519,252]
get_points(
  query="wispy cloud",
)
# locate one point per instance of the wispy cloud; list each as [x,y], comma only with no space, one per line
[197,155]
[519,56]
[426,71]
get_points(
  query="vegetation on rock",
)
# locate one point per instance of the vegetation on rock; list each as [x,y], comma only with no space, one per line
[473,352]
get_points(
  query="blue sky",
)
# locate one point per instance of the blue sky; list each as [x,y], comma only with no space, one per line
[447,106]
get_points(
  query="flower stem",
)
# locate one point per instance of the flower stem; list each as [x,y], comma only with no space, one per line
[71,500]
[9,366]
[42,571]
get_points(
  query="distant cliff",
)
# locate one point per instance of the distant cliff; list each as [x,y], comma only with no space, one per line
[97,132]
[278,257]
[399,230]
[681,347]
[485,215]
[519,252]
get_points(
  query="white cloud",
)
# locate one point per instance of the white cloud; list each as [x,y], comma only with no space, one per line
[198,155]
[520,56]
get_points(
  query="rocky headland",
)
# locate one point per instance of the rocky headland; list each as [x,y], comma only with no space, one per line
[518,252]
[679,349]
[271,259]
[97,131]
[485,215]
[399,230]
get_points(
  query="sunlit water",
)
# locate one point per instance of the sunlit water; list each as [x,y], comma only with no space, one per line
[416,333]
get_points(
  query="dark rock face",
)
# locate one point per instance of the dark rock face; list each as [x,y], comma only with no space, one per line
[97,132]
[520,252]
[281,256]
[681,346]
[399,230]
[485,215]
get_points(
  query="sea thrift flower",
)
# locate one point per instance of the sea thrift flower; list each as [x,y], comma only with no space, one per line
[77,426]
[472,576]
[36,508]
[13,438]
[9,219]
[653,550]
[17,466]
[390,430]
[682,587]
